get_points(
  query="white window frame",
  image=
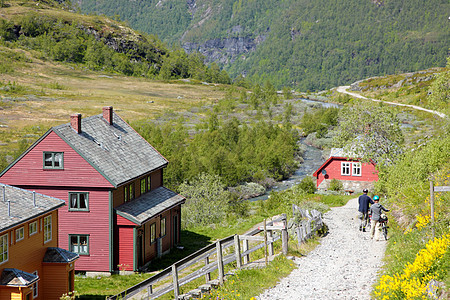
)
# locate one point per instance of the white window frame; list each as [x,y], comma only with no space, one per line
[30,228]
[346,168]
[152,233]
[35,287]
[20,234]
[163,227]
[47,229]
[356,166]
[4,247]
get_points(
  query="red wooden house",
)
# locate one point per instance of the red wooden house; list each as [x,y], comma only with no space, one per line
[354,175]
[31,264]
[118,213]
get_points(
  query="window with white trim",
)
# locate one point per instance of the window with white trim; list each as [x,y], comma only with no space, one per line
[356,171]
[53,160]
[345,168]
[3,248]
[163,227]
[32,228]
[78,201]
[79,243]
[19,234]
[35,286]
[152,233]
[47,229]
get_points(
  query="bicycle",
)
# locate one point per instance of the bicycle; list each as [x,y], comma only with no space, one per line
[383,223]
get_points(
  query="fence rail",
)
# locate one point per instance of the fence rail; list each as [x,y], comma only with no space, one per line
[205,255]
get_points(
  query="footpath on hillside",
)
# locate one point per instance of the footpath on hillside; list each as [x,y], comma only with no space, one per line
[344,89]
[343,266]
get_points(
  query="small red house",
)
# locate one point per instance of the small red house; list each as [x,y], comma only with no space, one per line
[118,214]
[354,175]
[31,264]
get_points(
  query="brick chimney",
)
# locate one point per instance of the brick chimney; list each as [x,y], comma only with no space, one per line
[75,122]
[108,114]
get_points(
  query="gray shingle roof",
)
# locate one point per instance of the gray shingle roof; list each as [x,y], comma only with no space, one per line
[149,205]
[15,277]
[21,206]
[117,151]
[58,255]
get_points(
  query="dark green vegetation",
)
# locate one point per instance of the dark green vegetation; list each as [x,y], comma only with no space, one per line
[310,45]
[96,42]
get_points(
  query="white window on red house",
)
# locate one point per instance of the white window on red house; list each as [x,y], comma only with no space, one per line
[356,169]
[345,168]
[47,229]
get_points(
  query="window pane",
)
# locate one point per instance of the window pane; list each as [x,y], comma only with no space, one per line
[143,186]
[149,183]
[58,160]
[83,201]
[48,160]
[73,201]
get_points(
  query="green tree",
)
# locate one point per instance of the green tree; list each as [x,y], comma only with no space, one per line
[206,200]
[370,132]
[440,90]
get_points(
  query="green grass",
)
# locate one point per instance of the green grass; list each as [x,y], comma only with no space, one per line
[99,287]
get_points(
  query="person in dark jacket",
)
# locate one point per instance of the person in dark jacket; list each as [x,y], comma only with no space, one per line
[376,210]
[363,209]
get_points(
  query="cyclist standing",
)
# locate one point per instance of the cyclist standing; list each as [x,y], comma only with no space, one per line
[376,210]
[363,209]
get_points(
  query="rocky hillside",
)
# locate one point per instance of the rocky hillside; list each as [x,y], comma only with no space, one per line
[301,43]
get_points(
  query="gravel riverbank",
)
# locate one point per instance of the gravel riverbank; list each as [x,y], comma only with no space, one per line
[343,266]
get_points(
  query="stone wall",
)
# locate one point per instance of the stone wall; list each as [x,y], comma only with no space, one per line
[349,185]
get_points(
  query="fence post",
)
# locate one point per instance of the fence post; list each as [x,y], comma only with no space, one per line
[265,242]
[207,275]
[237,251]
[149,291]
[245,248]
[270,232]
[432,207]
[176,288]
[284,236]
[219,261]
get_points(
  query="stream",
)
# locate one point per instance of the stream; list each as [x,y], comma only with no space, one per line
[312,161]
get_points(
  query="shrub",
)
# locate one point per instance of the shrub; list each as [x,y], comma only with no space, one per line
[336,185]
[307,185]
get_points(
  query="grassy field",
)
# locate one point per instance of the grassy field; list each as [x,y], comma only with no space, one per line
[40,94]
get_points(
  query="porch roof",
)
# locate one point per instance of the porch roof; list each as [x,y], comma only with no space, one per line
[59,255]
[17,278]
[148,205]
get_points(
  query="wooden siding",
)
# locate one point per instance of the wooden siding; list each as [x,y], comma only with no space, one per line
[27,254]
[94,223]
[13,293]
[29,171]
[56,275]
[333,168]
[126,248]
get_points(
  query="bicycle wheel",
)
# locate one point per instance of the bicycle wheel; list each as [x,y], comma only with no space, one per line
[384,228]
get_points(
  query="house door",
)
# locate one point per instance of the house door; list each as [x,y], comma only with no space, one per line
[140,251]
[175,230]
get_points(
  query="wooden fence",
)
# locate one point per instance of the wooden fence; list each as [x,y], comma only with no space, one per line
[212,257]
[309,225]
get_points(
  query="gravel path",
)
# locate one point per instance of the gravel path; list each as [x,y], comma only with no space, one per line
[343,266]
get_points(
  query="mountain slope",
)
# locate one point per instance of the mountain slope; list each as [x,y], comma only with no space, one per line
[302,43]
